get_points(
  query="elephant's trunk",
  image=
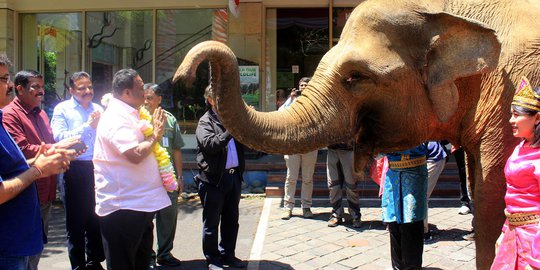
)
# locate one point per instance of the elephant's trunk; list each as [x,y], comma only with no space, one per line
[317,118]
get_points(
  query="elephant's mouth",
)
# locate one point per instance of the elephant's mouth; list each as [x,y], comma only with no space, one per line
[367,129]
[374,135]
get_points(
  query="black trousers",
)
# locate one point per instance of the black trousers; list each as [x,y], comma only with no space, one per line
[127,239]
[459,154]
[406,245]
[220,204]
[82,223]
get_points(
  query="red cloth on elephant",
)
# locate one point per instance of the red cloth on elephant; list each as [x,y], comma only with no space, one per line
[521,244]
[378,171]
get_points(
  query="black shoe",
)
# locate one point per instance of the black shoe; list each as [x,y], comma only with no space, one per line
[357,222]
[215,266]
[94,266]
[306,213]
[234,263]
[171,261]
[428,237]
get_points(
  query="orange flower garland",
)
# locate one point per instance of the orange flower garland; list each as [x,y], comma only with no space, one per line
[166,170]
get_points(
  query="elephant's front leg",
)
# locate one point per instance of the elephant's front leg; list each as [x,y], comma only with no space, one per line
[488,189]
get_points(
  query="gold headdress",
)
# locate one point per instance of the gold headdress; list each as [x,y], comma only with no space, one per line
[526,97]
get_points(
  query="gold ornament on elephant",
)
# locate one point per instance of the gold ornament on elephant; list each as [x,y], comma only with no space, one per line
[526,97]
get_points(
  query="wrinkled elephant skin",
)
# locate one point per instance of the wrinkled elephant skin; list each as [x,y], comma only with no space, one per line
[402,73]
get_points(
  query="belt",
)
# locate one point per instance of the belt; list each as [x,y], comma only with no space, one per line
[523,218]
[231,170]
[82,162]
[408,163]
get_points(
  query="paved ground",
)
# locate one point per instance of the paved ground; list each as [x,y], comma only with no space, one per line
[310,244]
[271,243]
[187,243]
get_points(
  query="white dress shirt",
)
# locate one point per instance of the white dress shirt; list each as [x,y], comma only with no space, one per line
[121,184]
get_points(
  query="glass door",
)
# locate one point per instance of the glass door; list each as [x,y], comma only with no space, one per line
[296,40]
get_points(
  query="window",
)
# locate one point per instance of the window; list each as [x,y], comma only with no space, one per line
[117,40]
[51,45]
[177,32]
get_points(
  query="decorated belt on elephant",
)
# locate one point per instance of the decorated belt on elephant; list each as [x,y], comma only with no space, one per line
[406,162]
[523,218]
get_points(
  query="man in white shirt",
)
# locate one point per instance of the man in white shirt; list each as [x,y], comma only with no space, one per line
[129,189]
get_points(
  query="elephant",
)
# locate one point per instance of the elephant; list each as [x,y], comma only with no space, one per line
[403,72]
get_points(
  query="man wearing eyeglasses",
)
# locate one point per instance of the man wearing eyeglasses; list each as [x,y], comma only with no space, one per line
[6,91]
[79,117]
[29,127]
[21,227]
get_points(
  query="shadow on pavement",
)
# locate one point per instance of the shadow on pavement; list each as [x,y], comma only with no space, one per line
[447,235]
[193,264]
[189,205]
[273,265]
[57,231]
[201,265]
[366,224]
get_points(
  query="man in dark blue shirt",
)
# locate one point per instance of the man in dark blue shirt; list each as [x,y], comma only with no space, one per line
[22,232]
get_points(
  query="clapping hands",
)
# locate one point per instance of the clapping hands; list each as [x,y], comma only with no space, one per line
[158,122]
[68,144]
[93,120]
[53,160]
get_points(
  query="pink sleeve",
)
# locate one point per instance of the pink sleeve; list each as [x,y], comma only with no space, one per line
[505,226]
[536,164]
[124,138]
[534,260]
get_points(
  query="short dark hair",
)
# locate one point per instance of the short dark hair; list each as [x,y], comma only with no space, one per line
[154,87]
[77,76]
[4,60]
[23,77]
[530,112]
[304,79]
[123,79]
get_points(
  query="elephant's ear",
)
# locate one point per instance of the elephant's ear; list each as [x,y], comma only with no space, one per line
[458,47]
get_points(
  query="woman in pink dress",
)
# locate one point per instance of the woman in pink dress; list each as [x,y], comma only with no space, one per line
[518,247]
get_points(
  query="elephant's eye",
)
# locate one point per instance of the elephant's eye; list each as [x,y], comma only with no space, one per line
[355,77]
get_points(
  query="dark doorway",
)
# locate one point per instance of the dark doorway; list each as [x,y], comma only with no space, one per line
[102,75]
[302,40]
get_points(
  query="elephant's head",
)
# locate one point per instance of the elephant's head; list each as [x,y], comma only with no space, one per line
[389,83]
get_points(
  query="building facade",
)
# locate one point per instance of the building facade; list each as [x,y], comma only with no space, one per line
[276,42]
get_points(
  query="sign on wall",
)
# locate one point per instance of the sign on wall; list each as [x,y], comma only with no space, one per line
[249,84]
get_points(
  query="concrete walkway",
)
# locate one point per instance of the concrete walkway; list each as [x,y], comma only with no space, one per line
[301,243]
[271,243]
